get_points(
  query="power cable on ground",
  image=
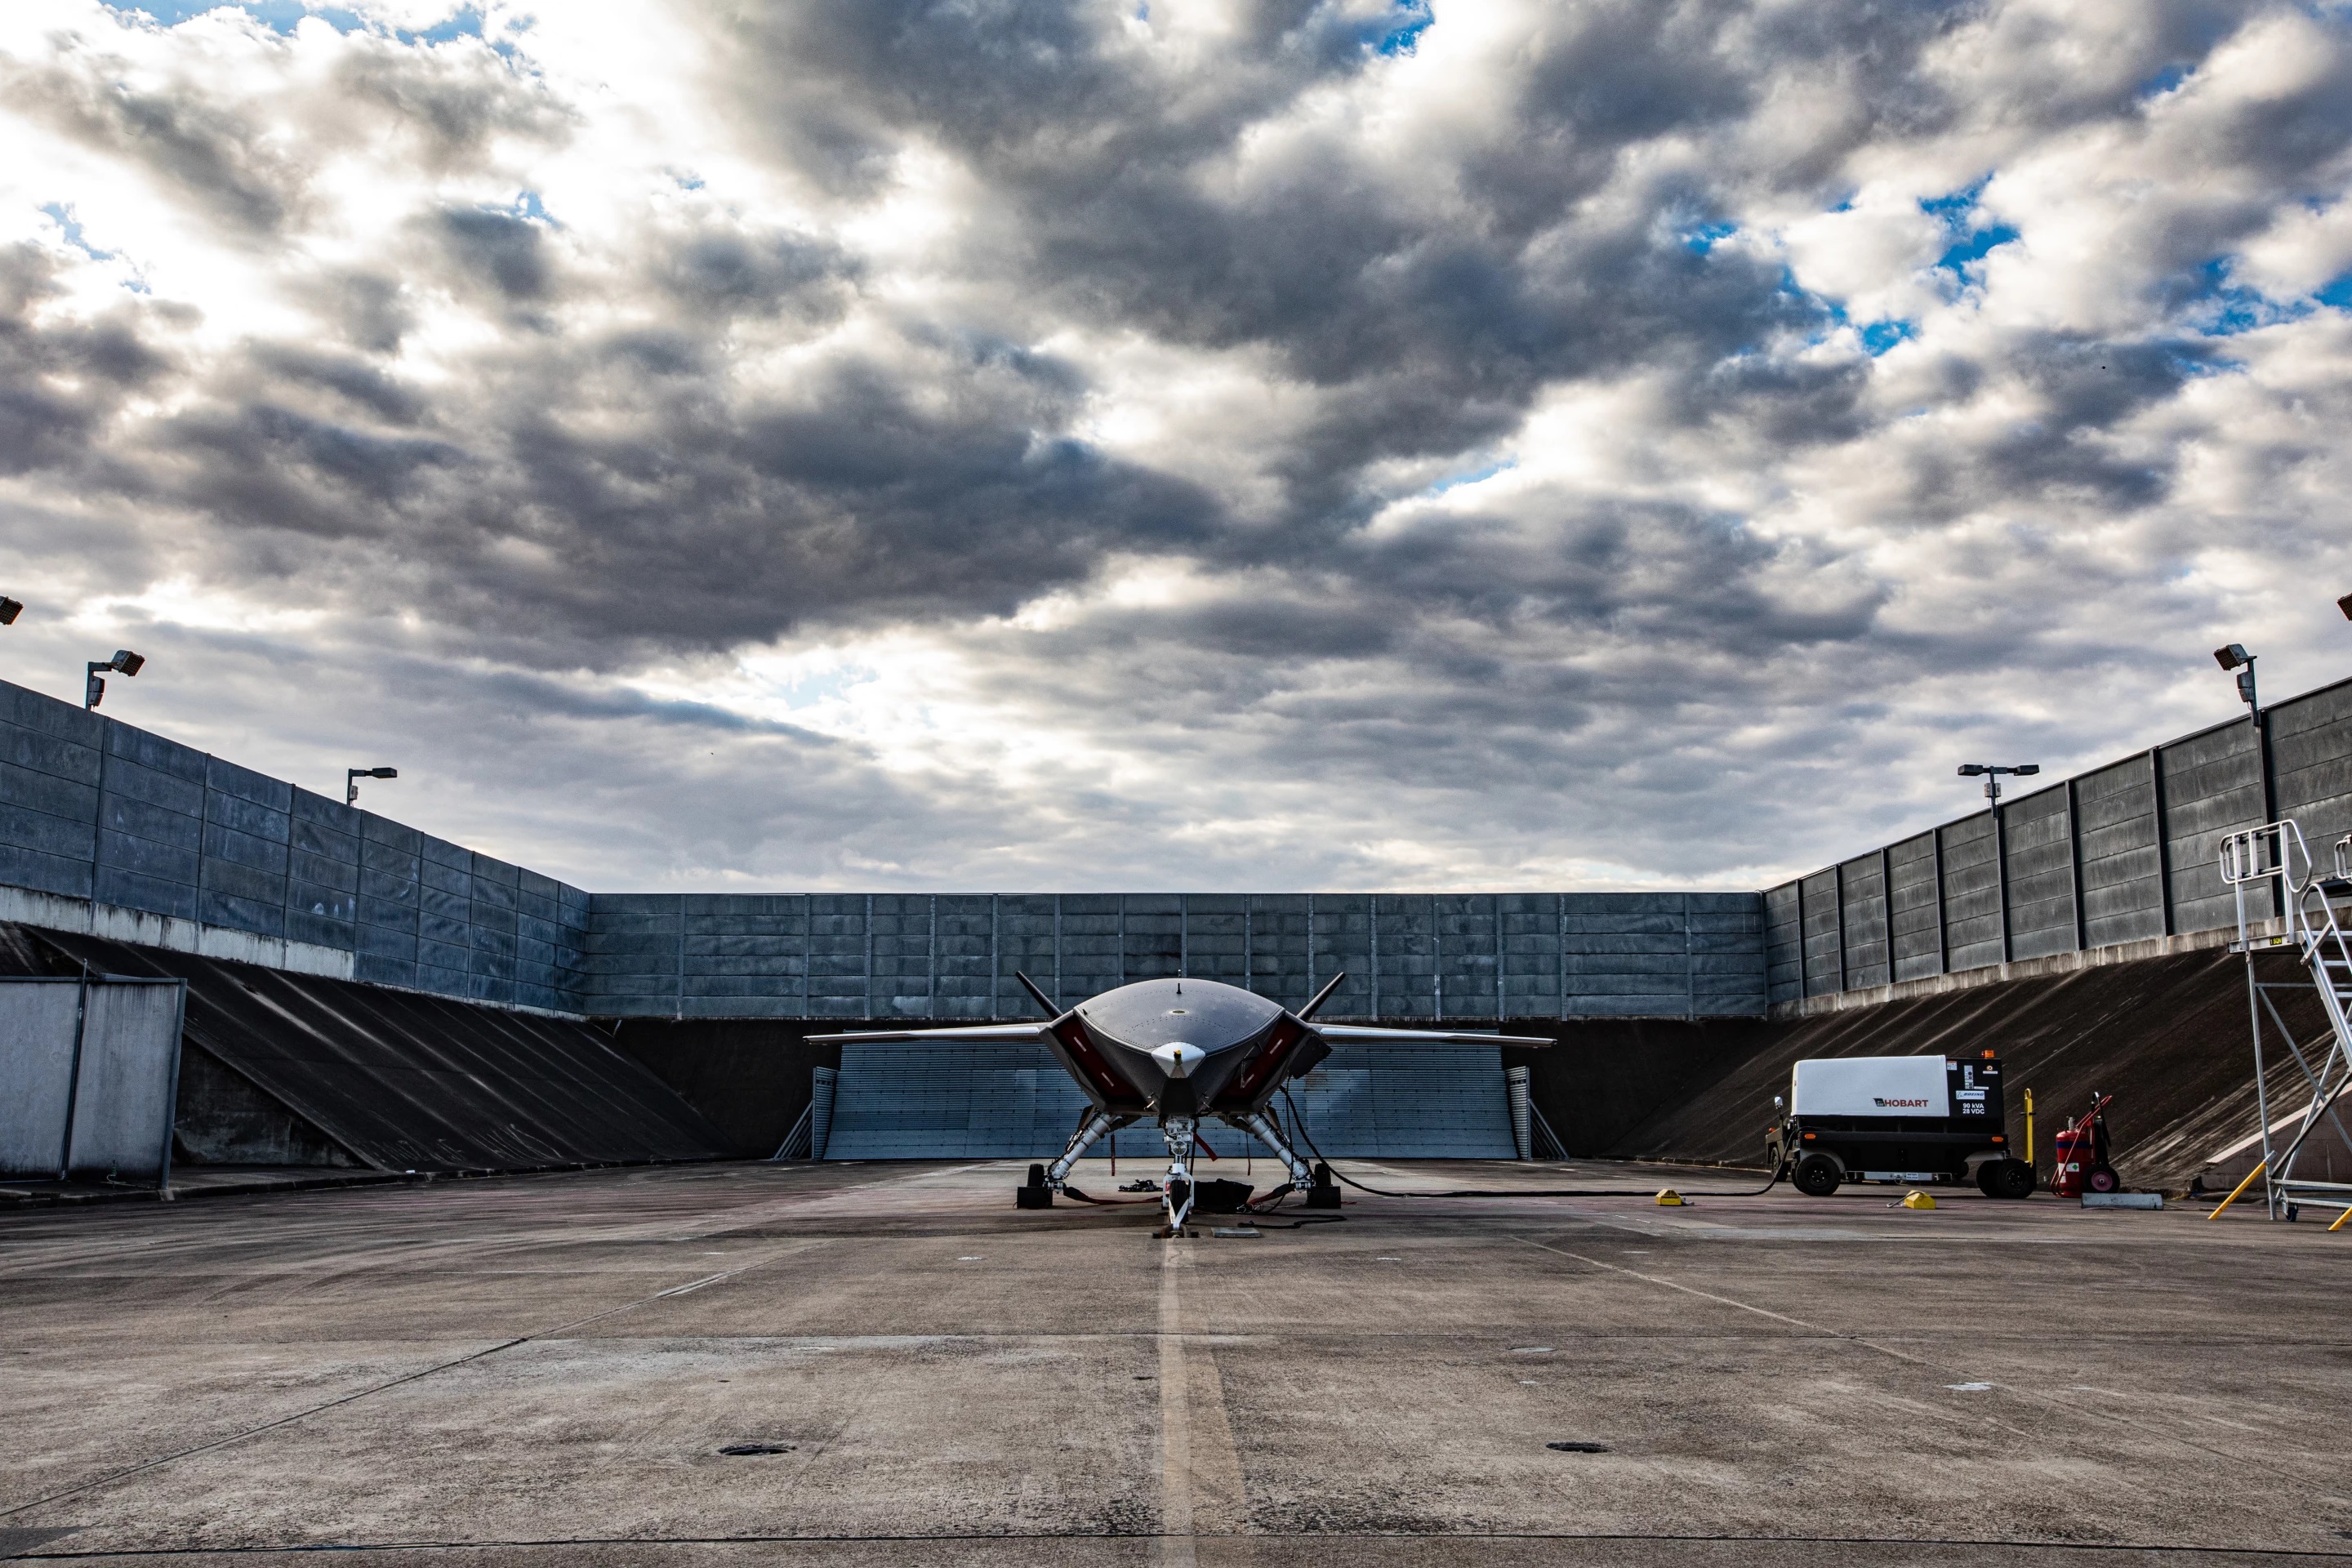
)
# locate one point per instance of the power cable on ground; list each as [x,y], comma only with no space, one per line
[1298,1124]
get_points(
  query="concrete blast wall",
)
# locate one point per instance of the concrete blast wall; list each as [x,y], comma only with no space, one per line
[1406,956]
[2124,853]
[109,831]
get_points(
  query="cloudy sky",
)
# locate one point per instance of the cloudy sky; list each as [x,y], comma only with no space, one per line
[1057,445]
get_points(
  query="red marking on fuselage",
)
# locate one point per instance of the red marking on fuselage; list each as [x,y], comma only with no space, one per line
[1083,1049]
[1243,1086]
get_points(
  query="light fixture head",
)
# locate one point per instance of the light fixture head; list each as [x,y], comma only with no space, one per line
[11,608]
[2234,656]
[1971,770]
[126,662]
[384,773]
[2344,604]
[2023,769]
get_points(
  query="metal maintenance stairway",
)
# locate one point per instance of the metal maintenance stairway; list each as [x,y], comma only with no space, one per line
[2263,862]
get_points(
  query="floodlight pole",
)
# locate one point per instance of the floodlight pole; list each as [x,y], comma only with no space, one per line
[2234,656]
[1990,773]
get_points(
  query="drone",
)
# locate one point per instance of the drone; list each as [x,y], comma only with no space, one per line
[1176,1051]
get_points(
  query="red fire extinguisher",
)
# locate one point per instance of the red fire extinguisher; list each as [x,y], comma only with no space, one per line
[2082,1154]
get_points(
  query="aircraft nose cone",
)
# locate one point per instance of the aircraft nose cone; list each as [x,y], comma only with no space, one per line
[1177,1059]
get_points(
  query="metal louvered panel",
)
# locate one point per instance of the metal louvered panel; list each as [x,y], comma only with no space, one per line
[1015,1102]
[1406,1103]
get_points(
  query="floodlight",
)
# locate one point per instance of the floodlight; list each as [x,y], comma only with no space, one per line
[11,608]
[351,777]
[2236,654]
[1991,774]
[125,662]
[2344,604]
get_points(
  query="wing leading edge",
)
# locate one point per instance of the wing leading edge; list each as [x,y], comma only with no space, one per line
[969,1033]
[1365,1035]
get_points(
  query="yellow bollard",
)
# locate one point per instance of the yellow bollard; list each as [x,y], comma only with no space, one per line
[2340,1219]
[2028,1127]
[2249,1182]
[1915,1199]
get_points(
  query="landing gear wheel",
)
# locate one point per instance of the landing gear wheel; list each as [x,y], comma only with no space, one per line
[2006,1179]
[1818,1175]
[2103,1179]
[1325,1192]
[1034,1193]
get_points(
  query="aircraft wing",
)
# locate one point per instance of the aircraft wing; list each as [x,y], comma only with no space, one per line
[1365,1035]
[971,1033]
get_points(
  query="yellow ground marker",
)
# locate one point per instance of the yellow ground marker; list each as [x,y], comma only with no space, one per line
[1915,1199]
[1669,1198]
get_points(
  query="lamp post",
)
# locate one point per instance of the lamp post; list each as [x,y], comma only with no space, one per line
[351,777]
[93,690]
[1991,774]
[2235,657]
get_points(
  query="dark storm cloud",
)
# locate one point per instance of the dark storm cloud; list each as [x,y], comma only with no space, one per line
[210,155]
[732,394]
[60,379]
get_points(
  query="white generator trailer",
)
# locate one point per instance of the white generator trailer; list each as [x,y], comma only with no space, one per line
[1896,1118]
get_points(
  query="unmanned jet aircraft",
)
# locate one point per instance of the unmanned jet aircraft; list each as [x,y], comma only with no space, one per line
[1176,1051]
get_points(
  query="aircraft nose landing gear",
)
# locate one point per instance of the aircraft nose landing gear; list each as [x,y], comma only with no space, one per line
[1176,1193]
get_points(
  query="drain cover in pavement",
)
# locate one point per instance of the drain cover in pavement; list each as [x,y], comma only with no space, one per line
[1578,1447]
[740,1450]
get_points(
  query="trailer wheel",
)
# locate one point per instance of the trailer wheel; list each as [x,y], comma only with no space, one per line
[1818,1175]
[2103,1179]
[2006,1179]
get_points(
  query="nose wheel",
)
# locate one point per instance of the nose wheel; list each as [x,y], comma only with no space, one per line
[1176,1191]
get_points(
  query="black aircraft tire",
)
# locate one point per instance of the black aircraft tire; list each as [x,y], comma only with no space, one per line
[1818,1175]
[2006,1179]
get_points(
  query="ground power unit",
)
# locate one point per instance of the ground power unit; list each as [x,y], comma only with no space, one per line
[1896,1118]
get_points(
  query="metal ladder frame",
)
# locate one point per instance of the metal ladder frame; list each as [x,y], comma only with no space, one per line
[2253,859]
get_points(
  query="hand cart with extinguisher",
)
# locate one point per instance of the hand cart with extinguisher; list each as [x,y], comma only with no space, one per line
[2081,1153]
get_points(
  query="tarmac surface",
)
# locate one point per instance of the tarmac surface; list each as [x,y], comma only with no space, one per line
[547,1368]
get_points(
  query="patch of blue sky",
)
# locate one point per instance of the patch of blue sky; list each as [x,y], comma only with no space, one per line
[1708,236]
[2220,308]
[1878,337]
[2336,293]
[2165,80]
[285,15]
[1975,244]
[278,15]
[1472,476]
[526,205]
[1954,207]
[69,227]
[1397,32]
[819,686]
[63,216]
